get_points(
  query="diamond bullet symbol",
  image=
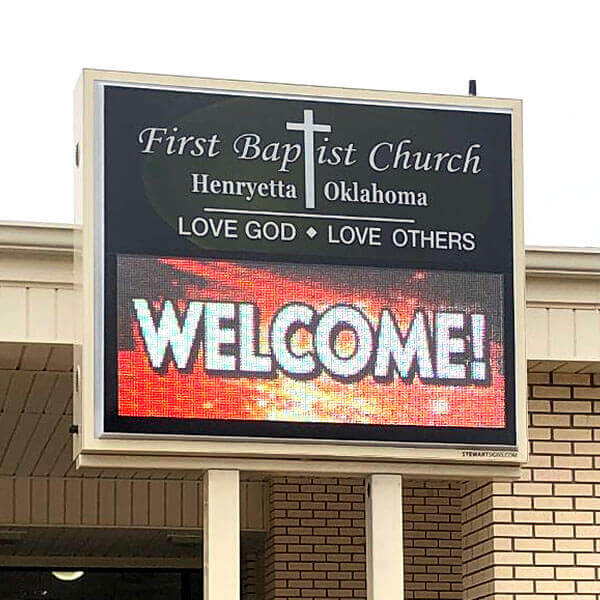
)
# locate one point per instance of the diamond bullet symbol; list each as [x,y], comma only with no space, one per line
[311,232]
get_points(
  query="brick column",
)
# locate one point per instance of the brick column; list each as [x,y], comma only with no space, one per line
[432,540]
[316,543]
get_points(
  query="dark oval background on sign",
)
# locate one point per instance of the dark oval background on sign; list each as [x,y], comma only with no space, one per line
[168,180]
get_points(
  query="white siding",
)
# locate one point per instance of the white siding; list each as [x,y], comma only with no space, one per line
[36,314]
[563,333]
[107,502]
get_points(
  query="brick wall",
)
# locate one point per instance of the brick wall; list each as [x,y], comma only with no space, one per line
[250,575]
[539,538]
[315,547]
[432,540]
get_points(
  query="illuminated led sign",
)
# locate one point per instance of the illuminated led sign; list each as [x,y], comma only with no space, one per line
[275,263]
[273,343]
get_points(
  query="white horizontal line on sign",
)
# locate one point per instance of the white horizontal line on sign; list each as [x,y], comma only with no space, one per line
[268,213]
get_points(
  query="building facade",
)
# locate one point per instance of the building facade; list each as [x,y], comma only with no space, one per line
[301,537]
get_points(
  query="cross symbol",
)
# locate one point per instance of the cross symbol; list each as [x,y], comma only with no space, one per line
[309,127]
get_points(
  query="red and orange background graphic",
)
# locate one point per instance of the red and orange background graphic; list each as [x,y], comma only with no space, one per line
[145,392]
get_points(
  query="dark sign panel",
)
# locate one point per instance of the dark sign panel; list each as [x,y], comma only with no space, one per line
[296,267]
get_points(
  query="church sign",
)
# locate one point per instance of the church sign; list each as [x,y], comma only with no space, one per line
[283,271]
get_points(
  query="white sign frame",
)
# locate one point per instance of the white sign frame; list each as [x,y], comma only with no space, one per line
[94,448]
